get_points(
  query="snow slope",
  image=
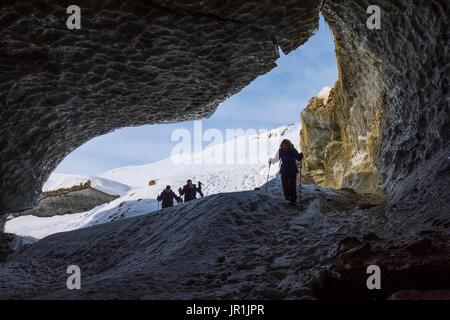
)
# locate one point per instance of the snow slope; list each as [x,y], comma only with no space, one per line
[248,171]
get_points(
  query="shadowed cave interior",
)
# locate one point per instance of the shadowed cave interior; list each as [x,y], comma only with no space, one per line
[389,106]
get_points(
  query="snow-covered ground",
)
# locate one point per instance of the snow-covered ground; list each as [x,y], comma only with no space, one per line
[248,171]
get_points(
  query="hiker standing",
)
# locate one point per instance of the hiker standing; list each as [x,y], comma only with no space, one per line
[288,154]
[190,191]
[167,197]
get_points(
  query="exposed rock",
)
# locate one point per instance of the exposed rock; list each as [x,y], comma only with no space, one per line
[331,160]
[318,141]
[388,115]
[68,201]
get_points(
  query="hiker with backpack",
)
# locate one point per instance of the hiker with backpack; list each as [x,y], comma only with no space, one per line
[190,191]
[287,154]
[167,197]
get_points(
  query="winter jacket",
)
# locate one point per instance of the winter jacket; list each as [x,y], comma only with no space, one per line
[190,193]
[167,198]
[288,157]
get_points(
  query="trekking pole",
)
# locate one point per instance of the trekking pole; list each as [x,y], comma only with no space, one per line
[158,196]
[300,170]
[267,181]
[300,186]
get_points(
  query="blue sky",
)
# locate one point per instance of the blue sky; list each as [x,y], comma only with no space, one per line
[271,100]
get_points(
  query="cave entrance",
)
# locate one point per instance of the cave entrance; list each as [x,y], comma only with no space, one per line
[132,165]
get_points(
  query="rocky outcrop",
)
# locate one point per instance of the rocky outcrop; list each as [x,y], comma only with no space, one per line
[388,118]
[319,130]
[71,200]
[331,158]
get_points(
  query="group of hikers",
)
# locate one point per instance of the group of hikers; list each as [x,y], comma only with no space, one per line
[189,191]
[288,156]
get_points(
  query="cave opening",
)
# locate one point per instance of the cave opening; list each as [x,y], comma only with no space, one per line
[308,71]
